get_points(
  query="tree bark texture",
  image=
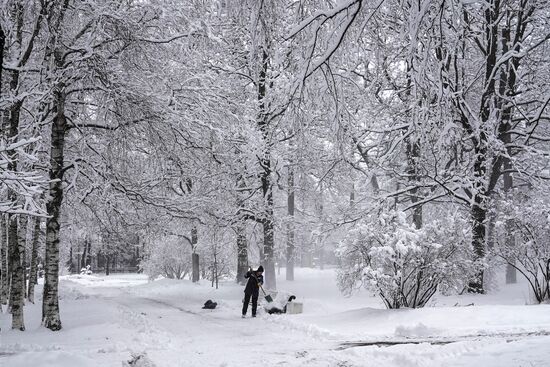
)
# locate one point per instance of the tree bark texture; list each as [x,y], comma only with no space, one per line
[240,230]
[265,177]
[481,193]
[17,271]
[413,155]
[290,225]
[507,87]
[511,274]
[2,44]
[242,252]
[4,281]
[50,305]
[22,247]
[107,265]
[33,273]
[15,262]
[195,275]
[478,215]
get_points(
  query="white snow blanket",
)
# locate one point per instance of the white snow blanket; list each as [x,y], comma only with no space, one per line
[109,321]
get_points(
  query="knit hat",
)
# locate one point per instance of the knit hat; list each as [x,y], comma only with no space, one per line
[260,269]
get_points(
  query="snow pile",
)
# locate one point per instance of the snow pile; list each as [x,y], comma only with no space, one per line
[419,331]
[50,359]
[139,360]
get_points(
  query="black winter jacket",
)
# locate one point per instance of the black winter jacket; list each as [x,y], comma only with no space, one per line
[252,284]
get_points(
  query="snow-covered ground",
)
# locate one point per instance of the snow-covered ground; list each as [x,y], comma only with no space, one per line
[107,320]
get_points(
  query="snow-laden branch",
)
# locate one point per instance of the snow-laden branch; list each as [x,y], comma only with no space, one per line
[322,15]
[170,39]
[351,9]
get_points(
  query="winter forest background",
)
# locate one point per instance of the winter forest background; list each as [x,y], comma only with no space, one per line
[405,143]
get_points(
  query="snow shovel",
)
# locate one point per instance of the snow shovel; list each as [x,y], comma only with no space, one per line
[267,297]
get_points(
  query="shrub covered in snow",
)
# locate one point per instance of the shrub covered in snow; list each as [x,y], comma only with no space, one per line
[405,266]
[168,256]
[528,221]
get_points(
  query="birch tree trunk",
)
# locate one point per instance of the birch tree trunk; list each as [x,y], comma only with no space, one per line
[16,266]
[33,273]
[22,248]
[2,44]
[3,242]
[4,281]
[290,225]
[50,304]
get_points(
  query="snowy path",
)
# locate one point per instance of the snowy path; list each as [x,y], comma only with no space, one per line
[107,319]
[211,338]
[271,341]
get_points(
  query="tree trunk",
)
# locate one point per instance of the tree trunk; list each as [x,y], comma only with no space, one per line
[195,274]
[290,225]
[194,256]
[319,244]
[33,276]
[507,87]
[481,192]
[2,44]
[265,176]
[16,264]
[70,262]
[107,261]
[215,270]
[242,252]
[240,230]
[82,261]
[268,228]
[50,305]
[11,266]
[478,215]
[511,276]
[4,284]
[413,155]
[89,253]
[22,248]
[269,261]
[267,223]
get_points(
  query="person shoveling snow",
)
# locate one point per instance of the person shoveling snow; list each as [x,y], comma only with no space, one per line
[252,289]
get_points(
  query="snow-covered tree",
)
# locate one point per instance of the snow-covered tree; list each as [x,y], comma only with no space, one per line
[404,265]
[528,215]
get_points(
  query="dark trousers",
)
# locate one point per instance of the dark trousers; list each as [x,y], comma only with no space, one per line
[247,301]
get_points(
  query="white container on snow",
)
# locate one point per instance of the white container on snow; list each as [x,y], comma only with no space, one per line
[295,307]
